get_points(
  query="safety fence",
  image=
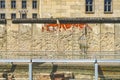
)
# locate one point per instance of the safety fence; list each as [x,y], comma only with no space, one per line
[95,63]
[31,57]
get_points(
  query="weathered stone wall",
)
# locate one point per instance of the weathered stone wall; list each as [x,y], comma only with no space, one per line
[12,37]
[3,40]
[102,38]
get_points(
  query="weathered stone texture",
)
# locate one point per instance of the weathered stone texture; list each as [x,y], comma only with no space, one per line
[93,38]
[73,41]
[117,37]
[12,37]
[107,37]
[25,37]
[37,37]
[3,39]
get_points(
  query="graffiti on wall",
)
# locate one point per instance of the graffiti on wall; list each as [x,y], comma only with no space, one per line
[55,27]
[81,35]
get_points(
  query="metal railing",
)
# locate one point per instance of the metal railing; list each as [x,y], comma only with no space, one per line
[95,62]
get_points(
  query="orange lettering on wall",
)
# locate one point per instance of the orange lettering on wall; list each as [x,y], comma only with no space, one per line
[54,27]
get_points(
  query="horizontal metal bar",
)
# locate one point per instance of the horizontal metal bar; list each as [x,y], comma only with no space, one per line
[60,60]
[108,61]
[16,60]
[81,60]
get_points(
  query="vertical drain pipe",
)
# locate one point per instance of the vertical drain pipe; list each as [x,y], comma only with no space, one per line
[30,71]
[96,70]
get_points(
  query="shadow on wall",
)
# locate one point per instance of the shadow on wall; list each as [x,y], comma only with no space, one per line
[54,69]
[101,73]
[8,73]
[13,68]
[60,76]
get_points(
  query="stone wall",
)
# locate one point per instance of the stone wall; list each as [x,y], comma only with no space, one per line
[101,38]
[3,37]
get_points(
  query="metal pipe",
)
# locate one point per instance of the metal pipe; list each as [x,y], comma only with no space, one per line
[30,71]
[15,60]
[58,60]
[63,60]
[96,70]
